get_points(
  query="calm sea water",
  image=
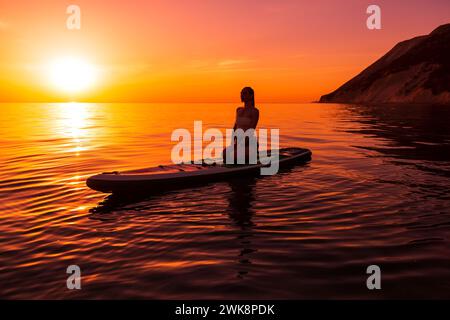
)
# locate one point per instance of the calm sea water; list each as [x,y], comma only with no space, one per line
[375,192]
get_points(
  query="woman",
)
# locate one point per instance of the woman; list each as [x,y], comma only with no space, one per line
[246,118]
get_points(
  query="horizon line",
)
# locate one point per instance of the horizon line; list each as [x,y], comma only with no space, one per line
[166,102]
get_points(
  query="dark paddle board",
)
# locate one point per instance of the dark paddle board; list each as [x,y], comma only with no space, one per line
[183,175]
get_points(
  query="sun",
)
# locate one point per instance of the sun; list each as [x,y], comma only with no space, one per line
[71,74]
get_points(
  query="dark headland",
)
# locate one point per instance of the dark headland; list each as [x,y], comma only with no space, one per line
[414,71]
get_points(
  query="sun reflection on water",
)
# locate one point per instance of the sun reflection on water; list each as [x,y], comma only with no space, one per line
[74,120]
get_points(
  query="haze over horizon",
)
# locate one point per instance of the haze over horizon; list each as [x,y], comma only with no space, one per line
[161,51]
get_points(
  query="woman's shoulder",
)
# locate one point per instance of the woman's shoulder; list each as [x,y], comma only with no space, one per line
[240,109]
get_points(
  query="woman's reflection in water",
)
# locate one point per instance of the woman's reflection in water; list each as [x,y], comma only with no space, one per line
[240,209]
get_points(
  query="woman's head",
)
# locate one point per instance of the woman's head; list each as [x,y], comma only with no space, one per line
[248,96]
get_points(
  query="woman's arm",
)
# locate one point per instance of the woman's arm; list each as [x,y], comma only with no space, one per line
[235,124]
[255,119]
[235,119]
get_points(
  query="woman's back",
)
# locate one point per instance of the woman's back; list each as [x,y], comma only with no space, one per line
[246,118]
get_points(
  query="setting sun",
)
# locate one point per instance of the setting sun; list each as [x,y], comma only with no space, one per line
[72,74]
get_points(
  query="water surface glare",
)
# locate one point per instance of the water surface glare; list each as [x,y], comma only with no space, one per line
[375,192]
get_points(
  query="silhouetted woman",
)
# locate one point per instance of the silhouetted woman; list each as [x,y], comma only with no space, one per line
[246,118]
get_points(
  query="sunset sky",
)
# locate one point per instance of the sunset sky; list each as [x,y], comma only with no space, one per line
[201,51]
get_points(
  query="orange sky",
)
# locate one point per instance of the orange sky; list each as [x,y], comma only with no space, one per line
[199,50]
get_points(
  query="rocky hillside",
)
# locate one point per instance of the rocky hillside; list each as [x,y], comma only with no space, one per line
[414,71]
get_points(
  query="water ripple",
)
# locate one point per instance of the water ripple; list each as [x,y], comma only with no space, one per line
[376,192]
